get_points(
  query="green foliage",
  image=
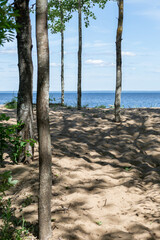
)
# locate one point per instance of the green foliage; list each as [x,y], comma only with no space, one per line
[10,138]
[8,229]
[86,8]
[101,106]
[70,107]
[12,104]
[27,201]
[18,144]
[99,223]
[7,22]
[59,12]
[111,106]
[127,168]
[3,136]
[101,3]
[87,5]
[3,117]
[51,100]
[6,182]
[85,106]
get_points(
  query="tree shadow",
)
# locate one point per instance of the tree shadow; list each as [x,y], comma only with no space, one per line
[113,155]
[129,148]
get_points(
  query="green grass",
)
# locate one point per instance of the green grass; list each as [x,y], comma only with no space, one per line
[12,104]
[101,106]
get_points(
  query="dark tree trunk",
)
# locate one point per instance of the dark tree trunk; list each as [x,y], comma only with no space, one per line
[79,90]
[119,63]
[24,106]
[45,157]
[62,61]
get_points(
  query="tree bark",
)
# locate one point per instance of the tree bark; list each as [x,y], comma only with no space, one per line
[62,61]
[79,90]
[45,157]
[119,63]
[24,46]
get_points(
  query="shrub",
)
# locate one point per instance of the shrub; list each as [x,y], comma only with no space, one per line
[12,104]
[8,229]
[101,106]
[10,138]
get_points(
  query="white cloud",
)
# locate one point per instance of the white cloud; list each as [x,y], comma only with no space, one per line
[53,64]
[98,62]
[130,54]
[8,51]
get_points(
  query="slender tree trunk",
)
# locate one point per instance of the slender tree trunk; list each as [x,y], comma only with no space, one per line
[45,157]
[79,90]
[62,61]
[24,45]
[119,63]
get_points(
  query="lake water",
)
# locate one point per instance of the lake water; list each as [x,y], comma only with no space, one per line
[92,99]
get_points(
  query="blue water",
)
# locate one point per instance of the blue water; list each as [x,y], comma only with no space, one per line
[92,99]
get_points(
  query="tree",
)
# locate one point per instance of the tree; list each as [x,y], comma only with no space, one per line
[45,157]
[118,62]
[62,58]
[59,13]
[83,6]
[79,83]
[25,65]
[7,22]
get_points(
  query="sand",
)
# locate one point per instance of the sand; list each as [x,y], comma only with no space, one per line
[106,175]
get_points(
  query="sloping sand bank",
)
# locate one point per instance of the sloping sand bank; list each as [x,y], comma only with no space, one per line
[106,175]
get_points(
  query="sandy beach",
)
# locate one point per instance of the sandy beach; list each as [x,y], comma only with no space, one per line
[106,175]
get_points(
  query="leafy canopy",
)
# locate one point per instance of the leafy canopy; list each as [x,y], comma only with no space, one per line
[7,22]
[60,12]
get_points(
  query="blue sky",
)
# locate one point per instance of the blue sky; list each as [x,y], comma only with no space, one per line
[140,50]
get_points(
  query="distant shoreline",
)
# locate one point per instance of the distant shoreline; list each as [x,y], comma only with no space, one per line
[95,91]
[93,99]
[90,108]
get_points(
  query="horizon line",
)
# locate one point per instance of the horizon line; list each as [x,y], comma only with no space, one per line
[89,91]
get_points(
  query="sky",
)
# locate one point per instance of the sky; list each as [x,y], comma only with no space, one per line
[140,51]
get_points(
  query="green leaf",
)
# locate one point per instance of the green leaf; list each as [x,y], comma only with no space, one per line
[22,144]
[127,168]
[12,182]
[99,223]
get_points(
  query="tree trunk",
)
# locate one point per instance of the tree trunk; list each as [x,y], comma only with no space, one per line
[119,63]
[62,61]
[45,157]
[24,106]
[79,90]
